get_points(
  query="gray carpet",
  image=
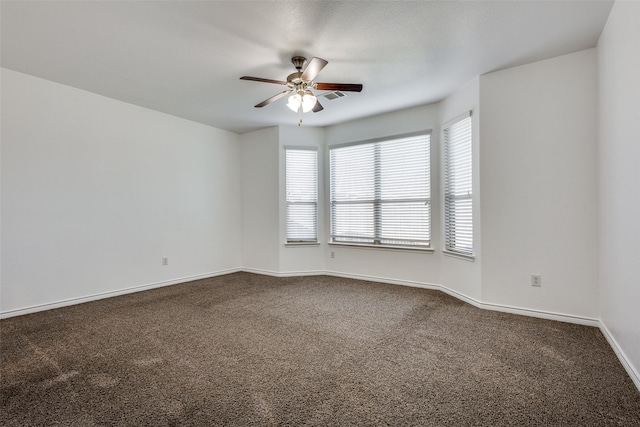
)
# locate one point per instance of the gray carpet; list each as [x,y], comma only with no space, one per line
[244,349]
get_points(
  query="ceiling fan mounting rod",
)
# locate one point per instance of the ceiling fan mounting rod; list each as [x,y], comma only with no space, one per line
[298,62]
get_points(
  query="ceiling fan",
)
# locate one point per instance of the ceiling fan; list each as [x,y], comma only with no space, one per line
[301,85]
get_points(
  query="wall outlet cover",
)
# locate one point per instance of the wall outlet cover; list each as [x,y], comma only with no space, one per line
[536,280]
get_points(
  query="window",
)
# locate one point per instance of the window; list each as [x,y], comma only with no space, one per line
[458,185]
[380,192]
[301,165]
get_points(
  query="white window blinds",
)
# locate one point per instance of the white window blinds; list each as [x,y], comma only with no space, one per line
[380,192]
[301,166]
[458,184]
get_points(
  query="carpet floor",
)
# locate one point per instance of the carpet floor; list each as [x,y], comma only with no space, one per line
[250,350]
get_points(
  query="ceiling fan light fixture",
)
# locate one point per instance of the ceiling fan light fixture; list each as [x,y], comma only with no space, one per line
[294,103]
[308,102]
[305,100]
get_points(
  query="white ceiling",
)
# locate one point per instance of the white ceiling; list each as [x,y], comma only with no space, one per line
[185,58]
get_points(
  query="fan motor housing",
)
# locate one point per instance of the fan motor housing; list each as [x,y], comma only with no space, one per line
[296,83]
[295,78]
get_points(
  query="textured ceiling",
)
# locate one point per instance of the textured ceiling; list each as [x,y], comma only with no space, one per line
[185,58]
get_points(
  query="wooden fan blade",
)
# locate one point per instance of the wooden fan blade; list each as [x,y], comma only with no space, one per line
[273,98]
[317,107]
[346,87]
[258,79]
[313,68]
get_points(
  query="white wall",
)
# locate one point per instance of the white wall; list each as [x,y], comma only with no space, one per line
[619,180]
[260,201]
[460,275]
[96,191]
[538,183]
[301,259]
[392,265]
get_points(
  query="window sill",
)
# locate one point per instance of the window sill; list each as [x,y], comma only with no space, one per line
[384,247]
[470,258]
[297,244]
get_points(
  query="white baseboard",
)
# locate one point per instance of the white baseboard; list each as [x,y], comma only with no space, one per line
[283,273]
[633,373]
[109,294]
[486,306]
[560,317]
[401,282]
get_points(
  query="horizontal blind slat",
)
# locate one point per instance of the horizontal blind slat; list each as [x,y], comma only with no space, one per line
[458,183]
[380,192]
[301,182]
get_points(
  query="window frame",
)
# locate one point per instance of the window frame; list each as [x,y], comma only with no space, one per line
[449,247]
[301,242]
[378,202]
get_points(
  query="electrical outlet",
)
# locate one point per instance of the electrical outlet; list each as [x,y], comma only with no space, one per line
[165,261]
[333,254]
[536,280]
